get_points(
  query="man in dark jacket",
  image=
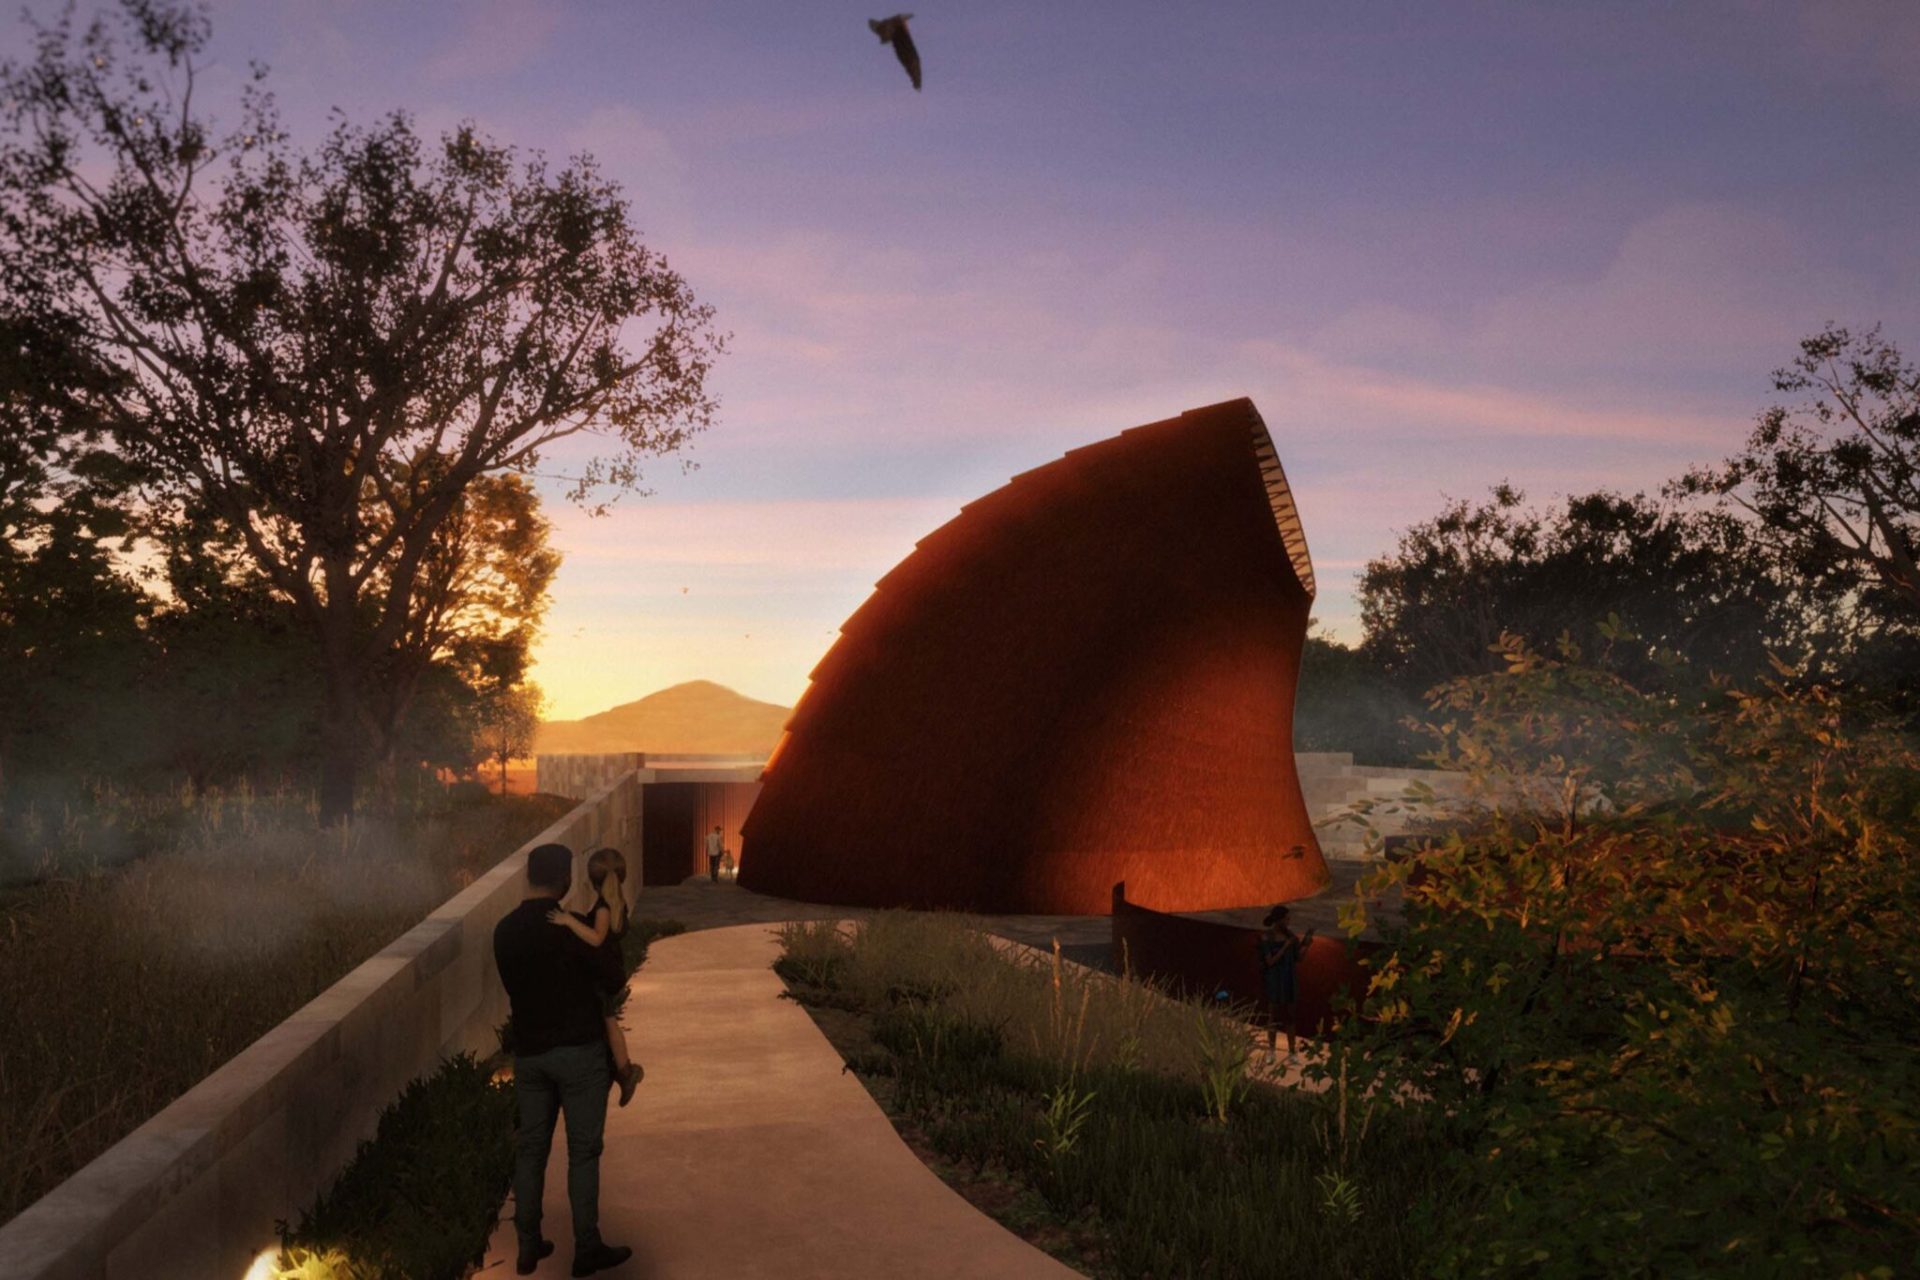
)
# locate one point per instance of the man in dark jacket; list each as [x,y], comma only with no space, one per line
[560,1062]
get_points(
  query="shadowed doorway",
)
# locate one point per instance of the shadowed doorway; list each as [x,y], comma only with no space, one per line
[669,832]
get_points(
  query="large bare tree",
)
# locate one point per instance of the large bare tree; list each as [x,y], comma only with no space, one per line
[326,349]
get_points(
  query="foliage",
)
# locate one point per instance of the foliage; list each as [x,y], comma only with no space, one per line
[1222,1050]
[482,591]
[1004,1061]
[1830,485]
[812,952]
[419,1199]
[1669,977]
[325,352]
[1834,480]
[125,987]
[1347,702]
[71,640]
[1065,1115]
[505,721]
[216,680]
[1684,581]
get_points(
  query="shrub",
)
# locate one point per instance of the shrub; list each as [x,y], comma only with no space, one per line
[1663,994]
[419,1199]
[812,953]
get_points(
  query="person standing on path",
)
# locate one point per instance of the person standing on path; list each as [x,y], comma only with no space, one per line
[1280,952]
[716,849]
[560,1063]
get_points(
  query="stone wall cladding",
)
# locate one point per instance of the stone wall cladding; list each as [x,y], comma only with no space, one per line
[579,776]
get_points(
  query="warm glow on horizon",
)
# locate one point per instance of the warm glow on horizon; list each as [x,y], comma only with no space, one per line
[1508,269]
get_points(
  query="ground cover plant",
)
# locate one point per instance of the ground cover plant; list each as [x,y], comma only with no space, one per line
[420,1198]
[1663,997]
[1131,1116]
[120,989]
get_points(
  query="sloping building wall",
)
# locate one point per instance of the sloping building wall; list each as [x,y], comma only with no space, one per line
[1085,677]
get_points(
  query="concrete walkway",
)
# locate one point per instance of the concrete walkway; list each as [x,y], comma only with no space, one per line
[748,1152]
[700,903]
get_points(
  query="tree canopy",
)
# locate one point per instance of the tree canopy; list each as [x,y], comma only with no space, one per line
[1684,581]
[1832,479]
[325,350]
[1666,972]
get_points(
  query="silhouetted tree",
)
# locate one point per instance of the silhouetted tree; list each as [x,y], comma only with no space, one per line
[505,722]
[71,626]
[1681,580]
[325,350]
[234,686]
[1833,480]
[70,622]
[482,590]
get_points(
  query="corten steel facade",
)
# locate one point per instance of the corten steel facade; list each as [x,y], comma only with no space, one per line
[1086,676]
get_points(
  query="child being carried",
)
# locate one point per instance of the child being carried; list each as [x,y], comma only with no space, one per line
[604,928]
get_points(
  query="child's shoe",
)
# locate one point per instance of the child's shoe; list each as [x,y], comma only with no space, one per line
[629,1080]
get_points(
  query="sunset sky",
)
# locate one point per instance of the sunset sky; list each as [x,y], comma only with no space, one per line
[1439,244]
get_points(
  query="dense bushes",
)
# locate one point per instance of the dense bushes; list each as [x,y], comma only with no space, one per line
[1664,996]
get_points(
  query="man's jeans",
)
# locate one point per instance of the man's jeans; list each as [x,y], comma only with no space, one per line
[713,867]
[573,1078]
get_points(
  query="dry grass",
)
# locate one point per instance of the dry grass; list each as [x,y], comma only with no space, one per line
[120,989]
[1129,1114]
[1055,1012]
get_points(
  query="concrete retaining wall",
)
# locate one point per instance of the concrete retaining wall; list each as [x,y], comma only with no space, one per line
[193,1194]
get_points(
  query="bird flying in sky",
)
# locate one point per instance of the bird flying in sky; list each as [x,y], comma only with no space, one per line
[893,31]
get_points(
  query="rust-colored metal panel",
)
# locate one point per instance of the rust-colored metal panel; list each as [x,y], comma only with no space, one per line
[1201,957]
[1087,676]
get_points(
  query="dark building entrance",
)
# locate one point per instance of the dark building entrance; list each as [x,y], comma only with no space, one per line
[669,831]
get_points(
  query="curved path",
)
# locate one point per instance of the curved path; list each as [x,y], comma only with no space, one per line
[749,1153]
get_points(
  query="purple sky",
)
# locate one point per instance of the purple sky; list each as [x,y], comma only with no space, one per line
[1439,244]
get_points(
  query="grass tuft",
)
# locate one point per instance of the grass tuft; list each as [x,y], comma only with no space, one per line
[1130,1114]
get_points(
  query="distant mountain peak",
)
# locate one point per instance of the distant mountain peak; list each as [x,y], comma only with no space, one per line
[696,716]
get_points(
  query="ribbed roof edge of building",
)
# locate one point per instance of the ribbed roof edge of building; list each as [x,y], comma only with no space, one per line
[1286,516]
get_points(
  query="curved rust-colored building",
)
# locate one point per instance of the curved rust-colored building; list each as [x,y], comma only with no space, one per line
[1086,676]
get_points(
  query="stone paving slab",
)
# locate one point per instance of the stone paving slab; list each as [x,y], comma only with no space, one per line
[749,1153]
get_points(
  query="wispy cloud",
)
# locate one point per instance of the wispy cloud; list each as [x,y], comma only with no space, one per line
[494,38]
[812,536]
